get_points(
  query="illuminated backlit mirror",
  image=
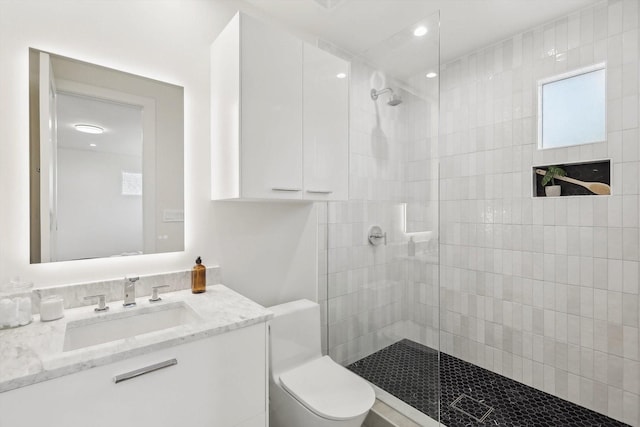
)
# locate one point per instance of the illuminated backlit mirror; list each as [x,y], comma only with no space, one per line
[106,161]
[572,108]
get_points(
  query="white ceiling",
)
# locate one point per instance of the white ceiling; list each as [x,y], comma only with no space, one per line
[122,125]
[465,25]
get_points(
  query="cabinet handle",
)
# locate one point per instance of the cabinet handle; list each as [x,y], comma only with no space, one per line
[320,191]
[286,189]
[142,371]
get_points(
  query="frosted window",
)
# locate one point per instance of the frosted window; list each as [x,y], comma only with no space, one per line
[131,184]
[572,110]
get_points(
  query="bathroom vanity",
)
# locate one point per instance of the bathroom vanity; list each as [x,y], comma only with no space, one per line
[210,369]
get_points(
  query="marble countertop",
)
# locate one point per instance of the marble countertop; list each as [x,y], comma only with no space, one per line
[34,353]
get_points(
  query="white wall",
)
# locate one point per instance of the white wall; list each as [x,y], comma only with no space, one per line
[265,251]
[94,218]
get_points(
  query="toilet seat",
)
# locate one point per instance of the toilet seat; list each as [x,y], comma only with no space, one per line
[328,389]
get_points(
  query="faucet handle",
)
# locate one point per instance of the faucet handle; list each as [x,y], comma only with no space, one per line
[155,297]
[102,302]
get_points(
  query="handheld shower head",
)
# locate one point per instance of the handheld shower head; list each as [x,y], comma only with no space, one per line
[393,101]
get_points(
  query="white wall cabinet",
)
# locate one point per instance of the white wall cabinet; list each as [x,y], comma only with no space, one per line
[279,116]
[325,125]
[217,382]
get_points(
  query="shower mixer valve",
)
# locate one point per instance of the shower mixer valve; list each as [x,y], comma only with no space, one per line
[376,236]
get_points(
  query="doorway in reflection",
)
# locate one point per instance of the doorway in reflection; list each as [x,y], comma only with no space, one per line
[100,170]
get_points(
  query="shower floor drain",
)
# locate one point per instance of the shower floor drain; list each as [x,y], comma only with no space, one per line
[472,407]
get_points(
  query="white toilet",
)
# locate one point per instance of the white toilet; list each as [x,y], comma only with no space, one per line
[308,389]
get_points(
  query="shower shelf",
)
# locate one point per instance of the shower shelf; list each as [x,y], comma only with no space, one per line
[592,178]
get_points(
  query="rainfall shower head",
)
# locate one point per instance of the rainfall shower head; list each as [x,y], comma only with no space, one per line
[393,100]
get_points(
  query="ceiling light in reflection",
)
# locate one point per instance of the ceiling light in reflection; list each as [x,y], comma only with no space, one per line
[341,75]
[432,75]
[89,128]
[420,31]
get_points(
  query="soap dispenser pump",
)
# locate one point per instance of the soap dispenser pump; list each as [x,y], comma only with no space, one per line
[198,277]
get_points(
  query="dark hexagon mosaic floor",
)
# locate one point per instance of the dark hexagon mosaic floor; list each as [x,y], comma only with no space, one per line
[409,371]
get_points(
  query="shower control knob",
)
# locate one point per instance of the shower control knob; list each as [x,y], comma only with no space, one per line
[376,236]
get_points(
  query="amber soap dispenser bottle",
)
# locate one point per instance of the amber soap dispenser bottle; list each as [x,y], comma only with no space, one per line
[198,277]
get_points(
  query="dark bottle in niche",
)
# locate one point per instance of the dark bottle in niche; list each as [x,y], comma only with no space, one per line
[198,277]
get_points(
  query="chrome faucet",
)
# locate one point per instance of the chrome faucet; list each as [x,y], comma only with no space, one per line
[130,291]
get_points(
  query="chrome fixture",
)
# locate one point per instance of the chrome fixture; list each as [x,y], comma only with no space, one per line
[376,236]
[130,291]
[102,302]
[393,100]
[143,371]
[155,295]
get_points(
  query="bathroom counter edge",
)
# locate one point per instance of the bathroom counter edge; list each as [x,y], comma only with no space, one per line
[33,353]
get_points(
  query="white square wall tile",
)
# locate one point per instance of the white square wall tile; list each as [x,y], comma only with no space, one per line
[630,46]
[629,14]
[630,277]
[614,408]
[631,409]
[630,111]
[631,378]
[614,15]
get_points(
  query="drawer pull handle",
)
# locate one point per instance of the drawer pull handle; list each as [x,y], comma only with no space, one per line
[142,371]
[286,189]
[320,191]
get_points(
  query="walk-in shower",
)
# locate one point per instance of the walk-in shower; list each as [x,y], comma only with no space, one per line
[485,306]
[382,301]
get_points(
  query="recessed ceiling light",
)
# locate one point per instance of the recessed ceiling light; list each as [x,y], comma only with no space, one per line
[341,75]
[432,75]
[89,128]
[420,31]
[92,145]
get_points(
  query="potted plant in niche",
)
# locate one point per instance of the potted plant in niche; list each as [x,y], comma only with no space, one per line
[552,190]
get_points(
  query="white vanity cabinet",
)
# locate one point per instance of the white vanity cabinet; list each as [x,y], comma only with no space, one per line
[279,116]
[219,381]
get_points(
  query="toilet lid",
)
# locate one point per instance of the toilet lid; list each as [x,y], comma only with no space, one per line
[328,389]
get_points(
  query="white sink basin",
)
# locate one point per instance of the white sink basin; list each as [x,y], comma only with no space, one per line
[129,323]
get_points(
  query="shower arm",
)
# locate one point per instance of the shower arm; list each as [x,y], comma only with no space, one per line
[376,93]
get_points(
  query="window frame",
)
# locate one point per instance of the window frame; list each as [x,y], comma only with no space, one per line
[565,76]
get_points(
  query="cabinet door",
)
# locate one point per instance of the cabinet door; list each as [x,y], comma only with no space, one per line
[271,112]
[326,125]
[218,381]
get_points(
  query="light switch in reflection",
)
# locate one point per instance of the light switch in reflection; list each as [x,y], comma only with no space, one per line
[173,215]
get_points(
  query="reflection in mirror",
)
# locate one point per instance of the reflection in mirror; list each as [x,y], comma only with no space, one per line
[106,162]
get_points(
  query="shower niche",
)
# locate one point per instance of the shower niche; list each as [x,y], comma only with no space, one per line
[591,178]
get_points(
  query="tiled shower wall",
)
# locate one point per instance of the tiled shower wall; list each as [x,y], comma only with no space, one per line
[543,290]
[364,298]
[374,296]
